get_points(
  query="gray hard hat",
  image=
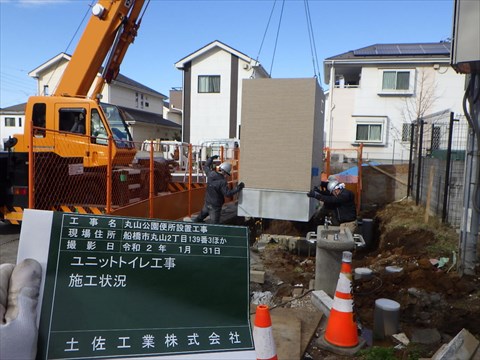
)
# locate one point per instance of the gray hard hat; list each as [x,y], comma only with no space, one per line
[331,185]
[226,167]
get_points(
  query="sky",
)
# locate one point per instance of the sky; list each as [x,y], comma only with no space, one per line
[274,32]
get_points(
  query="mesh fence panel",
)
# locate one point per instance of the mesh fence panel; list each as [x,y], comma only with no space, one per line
[60,176]
[72,173]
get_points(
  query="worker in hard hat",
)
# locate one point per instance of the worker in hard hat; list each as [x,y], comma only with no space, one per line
[341,201]
[217,190]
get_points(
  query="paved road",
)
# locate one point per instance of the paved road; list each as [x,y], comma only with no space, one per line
[9,236]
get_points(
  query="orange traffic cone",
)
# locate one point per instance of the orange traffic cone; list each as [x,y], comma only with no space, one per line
[263,335]
[341,327]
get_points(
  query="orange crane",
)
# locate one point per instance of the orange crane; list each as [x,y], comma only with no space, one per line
[76,146]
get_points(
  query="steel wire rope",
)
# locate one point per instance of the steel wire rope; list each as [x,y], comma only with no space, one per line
[276,38]
[313,47]
[264,35]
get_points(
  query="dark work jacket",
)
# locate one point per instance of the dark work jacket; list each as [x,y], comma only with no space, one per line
[217,186]
[343,205]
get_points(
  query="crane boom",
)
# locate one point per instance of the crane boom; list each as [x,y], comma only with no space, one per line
[109,32]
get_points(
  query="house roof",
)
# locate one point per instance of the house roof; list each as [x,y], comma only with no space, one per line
[421,50]
[148,117]
[132,83]
[390,54]
[14,109]
[180,64]
[121,79]
[132,115]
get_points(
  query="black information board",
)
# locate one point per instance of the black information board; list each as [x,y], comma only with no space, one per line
[124,287]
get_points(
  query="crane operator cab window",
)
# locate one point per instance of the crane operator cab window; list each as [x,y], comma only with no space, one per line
[99,133]
[38,119]
[116,121]
[72,120]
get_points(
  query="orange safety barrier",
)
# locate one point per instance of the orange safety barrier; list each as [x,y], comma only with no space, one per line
[263,335]
[341,327]
[346,165]
[77,173]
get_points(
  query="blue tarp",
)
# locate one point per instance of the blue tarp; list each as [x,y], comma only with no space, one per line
[353,171]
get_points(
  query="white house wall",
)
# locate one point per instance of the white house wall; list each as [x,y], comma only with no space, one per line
[120,95]
[210,112]
[7,131]
[51,78]
[350,103]
[142,132]
[245,71]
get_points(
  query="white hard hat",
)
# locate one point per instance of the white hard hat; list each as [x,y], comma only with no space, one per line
[332,185]
[226,167]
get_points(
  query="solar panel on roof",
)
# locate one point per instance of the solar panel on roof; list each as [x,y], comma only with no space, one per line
[388,50]
[404,49]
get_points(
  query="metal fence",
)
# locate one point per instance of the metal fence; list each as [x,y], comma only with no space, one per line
[77,173]
[436,172]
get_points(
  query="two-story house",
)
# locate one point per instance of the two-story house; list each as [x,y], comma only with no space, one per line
[377,91]
[142,106]
[212,91]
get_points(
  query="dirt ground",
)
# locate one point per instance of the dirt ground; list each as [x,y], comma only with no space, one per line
[428,288]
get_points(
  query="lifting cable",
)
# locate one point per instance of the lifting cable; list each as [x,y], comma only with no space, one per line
[276,39]
[313,49]
[265,33]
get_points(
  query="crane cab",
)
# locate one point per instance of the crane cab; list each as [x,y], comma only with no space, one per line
[76,128]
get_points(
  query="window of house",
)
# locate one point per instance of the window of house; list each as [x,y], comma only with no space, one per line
[397,81]
[209,84]
[370,131]
[406,132]
[9,122]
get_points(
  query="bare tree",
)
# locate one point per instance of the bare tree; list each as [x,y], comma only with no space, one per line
[418,106]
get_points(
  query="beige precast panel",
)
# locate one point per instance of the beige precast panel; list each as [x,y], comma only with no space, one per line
[281,133]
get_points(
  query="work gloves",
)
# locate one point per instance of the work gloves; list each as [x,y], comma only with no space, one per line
[240,186]
[19,291]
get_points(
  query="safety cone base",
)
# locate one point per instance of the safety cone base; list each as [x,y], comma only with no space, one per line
[339,350]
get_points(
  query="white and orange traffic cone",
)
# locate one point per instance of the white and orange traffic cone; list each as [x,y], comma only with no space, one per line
[341,326]
[263,334]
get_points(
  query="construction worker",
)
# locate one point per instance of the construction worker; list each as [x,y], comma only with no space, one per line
[217,190]
[338,201]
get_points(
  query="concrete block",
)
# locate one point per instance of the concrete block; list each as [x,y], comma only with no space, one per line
[322,301]
[463,346]
[257,276]
[297,292]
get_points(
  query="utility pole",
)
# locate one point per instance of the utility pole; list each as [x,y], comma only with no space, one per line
[465,59]
[469,230]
